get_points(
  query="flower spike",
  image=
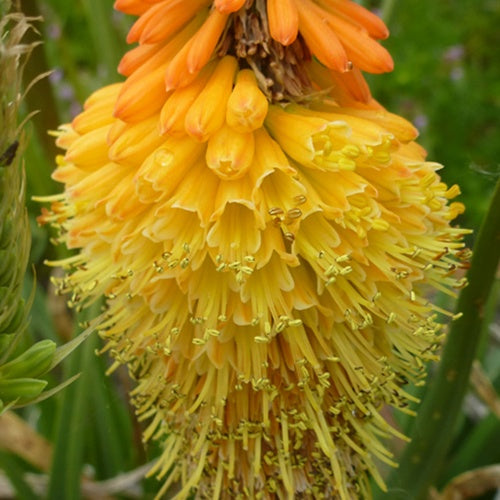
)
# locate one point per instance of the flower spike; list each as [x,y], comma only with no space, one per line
[265,235]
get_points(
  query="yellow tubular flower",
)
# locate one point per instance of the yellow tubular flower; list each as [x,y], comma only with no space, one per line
[265,262]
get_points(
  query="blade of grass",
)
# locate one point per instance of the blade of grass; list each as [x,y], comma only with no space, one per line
[113,435]
[71,425]
[479,449]
[440,410]
[14,471]
[99,17]
[65,350]
[386,10]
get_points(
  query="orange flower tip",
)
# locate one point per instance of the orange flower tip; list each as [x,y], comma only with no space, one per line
[357,15]
[385,63]
[132,7]
[130,61]
[205,40]
[228,6]
[336,61]
[283,20]
[320,38]
[177,73]
[373,24]
[118,113]
[354,83]
[382,34]
[207,114]
[179,80]
[135,104]
[390,64]
[402,129]
[197,131]
[134,33]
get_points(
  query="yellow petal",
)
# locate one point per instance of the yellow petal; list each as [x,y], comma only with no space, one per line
[247,105]
[230,153]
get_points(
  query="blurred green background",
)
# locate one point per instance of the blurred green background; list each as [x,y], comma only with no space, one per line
[446,81]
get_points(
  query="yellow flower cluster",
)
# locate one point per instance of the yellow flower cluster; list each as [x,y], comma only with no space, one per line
[265,260]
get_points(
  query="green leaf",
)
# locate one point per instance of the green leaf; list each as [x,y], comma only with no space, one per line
[31,363]
[480,448]
[66,349]
[15,472]
[111,425]
[72,420]
[47,394]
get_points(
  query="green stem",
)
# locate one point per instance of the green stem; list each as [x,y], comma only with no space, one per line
[440,410]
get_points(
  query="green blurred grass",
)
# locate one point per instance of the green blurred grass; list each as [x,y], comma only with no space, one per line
[447,81]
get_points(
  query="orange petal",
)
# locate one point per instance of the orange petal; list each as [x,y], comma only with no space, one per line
[208,113]
[196,191]
[353,84]
[401,128]
[169,20]
[283,20]
[162,20]
[228,6]
[134,7]
[168,164]
[123,201]
[177,74]
[364,52]
[320,38]
[144,91]
[135,103]
[353,12]
[136,29]
[205,41]
[136,57]
[176,106]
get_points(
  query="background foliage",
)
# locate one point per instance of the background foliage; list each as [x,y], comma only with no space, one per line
[446,81]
